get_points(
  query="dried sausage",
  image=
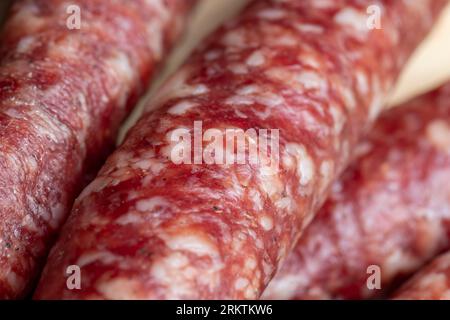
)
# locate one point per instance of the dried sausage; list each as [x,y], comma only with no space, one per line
[159,222]
[69,74]
[389,212]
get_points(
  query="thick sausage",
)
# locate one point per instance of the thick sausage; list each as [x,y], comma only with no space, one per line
[390,209]
[431,283]
[63,93]
[151,228]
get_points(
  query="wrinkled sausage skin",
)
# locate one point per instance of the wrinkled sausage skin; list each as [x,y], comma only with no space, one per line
[63,93]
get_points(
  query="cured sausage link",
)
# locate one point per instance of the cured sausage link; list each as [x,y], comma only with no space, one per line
[389,212]
[431,283]
[151,228]
[70,71]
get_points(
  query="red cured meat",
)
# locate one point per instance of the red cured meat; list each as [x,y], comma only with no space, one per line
[148,228]
[431,283]
[390,209]
[63,94]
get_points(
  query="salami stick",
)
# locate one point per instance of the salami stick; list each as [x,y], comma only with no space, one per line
[164,220]
[70,72]
[390,211]
[431,283]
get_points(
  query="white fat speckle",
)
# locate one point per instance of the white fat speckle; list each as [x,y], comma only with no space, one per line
[362,82]
[256,59]
[250,263]
[362,149]
[255,196]
[267,268]
[240,114]
[377,99]
[305,164]
[212,55]
[130,218]
[237,241]
[180,279]
[199,89]
[25,44]
[104,257]
[240,100]
[270,182]
[121,66]
[43,125]
[326,169]
[238,68]
[151,204]
[250,293]
[28,19]
[312,80]
[174,273]
[338,119]
[310,60]
[122,158]
[96,186]
[177,260]
[309,28]
[28,222]
[266,222]
[65,47]
[236,190]
[432,280]
[234,38]
[438,133]
[285,203]
[198,244]
[155,28]
[284,288]
[348,97]
[143,164]
[326,172]
[241,283]
[284,40]
[14,280]
[353,18]
[248,90]
[58,214]
[177,87]
[181,108]
[270,99]
[84,113]
[323,4]
[293,78]
[119,289]
[263,114]
[156,167]
[399,261]
[271,14]
[32,163]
